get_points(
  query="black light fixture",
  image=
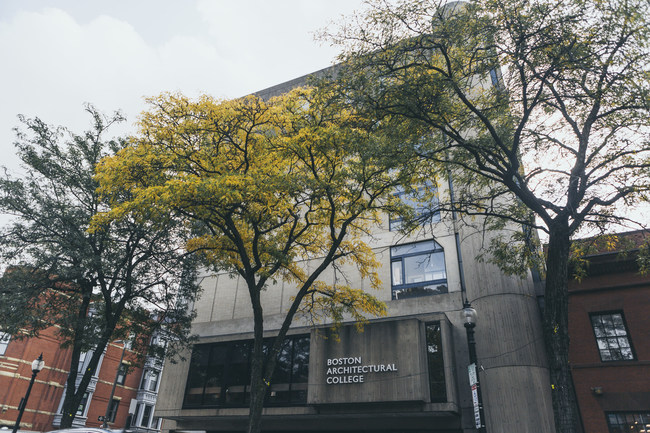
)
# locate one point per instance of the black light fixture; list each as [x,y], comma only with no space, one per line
[37,366]
[469,317]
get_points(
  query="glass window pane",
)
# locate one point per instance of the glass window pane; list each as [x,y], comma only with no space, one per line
[238,374]
[146,415]
[435,363]
[138,408]
[82,405]
[197,375]
[425,267]
[622,342]
[397,272]
[214,376]
[608,325]
[627,422]
[626,353]
[224,379]
[612,337]
[4,342]
[418,247]
[598,329]
[112,410]
[301,360]
[282,373]
[153,381]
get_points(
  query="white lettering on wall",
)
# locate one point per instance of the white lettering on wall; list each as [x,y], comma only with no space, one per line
[352,370]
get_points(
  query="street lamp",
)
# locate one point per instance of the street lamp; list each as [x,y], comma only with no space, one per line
[37,366]
[117,375]
[468,316]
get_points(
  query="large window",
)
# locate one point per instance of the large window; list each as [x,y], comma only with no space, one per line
[4,342]
[150,380]
[112,410]
[628,422]
[418,270]
[121,374]
[220,374]
[435,362]
[423,201]
[612,336]
[81,410]
[146,416]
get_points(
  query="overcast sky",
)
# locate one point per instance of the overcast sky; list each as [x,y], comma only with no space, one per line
[58,54]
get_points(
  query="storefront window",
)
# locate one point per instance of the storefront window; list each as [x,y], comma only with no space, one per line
[220,374]
[435,362]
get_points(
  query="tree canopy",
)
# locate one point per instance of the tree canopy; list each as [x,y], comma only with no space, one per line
[280,190]
[124,279]
[540,110]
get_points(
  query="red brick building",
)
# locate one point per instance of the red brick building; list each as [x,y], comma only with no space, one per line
[609,326]
[135,392]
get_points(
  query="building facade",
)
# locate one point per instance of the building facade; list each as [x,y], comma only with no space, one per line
[609,328]
[406,372]
[134,397]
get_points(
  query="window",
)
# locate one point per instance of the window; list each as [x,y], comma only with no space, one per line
[418,270]
[82,362]
[435,363]
[150,380]
[121,374]
[82,406]
[112,410]
[146,416]
[138,408]
[612,336]
[220,374]
[423,201]
[4,342]
[494,77]
[634,422]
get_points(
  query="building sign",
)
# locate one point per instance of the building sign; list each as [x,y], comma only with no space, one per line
[352,370]
[386,362]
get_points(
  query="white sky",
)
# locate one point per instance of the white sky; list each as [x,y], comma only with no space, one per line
[58,54]
[55,55]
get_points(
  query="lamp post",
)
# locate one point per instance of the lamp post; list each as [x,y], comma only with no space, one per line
[468,316]
[37,366]
[117,375]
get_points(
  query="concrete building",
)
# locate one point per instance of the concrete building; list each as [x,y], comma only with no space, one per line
[135,392]
[406,372]
[609,328]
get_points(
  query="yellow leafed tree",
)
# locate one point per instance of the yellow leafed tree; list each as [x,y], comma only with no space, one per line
[269,185]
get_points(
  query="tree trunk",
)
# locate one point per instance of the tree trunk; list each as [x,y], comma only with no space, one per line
[258,385]
[556,329]
[73,396]
[73,399]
